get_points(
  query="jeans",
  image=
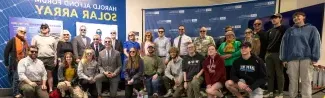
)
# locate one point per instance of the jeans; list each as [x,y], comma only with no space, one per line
[13,77]
[152,86]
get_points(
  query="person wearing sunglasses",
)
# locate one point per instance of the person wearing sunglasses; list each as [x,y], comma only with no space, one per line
[116,44]
[259,33]
[163,45]
[97,45]
[144,45]
[110,64]
[87,70]
[15,50]
[299,50]
[181,41]
[133,72]
[64,45]
[80,43]
[203,41]
[47,46]
[256,44]
[32,75]
[130,43]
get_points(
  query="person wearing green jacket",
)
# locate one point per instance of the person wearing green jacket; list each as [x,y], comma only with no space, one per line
[229,50]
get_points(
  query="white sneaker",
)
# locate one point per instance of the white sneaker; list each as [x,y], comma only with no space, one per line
[270,94]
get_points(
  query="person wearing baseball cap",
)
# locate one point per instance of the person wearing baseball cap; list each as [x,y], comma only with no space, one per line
[272,60]
[153,70]
[47,46]
[299,50]
[248,74]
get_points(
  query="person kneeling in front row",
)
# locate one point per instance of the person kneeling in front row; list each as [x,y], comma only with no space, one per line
[248,74]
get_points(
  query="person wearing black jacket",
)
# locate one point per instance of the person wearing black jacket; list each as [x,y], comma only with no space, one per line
[64,45]
[15,50]
[248,74]
[97,46]
[261,35]
[272,60]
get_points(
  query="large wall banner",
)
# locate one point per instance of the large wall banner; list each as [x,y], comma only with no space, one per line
[33,27]
[69,12]
[214,18]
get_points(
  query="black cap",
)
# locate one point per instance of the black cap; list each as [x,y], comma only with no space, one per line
[278,15]
[44,25]
[246,44]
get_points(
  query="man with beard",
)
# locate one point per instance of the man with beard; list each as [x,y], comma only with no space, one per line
[80,43]
[15,50]
[173,74]
[32,75]
[153,69]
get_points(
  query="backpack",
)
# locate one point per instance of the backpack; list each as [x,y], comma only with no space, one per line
[55,94]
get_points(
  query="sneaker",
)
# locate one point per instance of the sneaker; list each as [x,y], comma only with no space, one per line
[270,94]
[169,93]
[279,95]
[155,95]
[203,94]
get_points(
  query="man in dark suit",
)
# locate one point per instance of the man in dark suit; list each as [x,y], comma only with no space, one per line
[96,45]
[80,43]
[110,64]
[116,44]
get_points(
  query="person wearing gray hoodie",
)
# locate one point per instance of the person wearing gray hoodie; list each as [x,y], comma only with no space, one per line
[299,50]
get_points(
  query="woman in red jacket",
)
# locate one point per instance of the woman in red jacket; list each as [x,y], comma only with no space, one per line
[214,71]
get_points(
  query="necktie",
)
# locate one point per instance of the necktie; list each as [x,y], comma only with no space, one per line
[179,43]
[96,50]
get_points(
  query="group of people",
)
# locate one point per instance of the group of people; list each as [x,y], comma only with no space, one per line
[182,67]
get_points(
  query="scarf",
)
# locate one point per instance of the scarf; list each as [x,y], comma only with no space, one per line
[21,47]
[229,47]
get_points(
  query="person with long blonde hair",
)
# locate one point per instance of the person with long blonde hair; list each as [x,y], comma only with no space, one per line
[87,70]
[133,72]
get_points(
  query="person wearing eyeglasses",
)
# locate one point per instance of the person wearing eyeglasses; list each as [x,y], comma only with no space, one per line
[32,75]
[259,33]
[299,50]
[97,45]
[110,64]
[133,72]
[203,41]
[87,70]
[229,51]
[163,45]
[116,44]
[256,44]
[130,43]
[192,72]
[47,46]
[80,43]
[153,70]
[15,50]
[144,45]
[64,45]
[181,41]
